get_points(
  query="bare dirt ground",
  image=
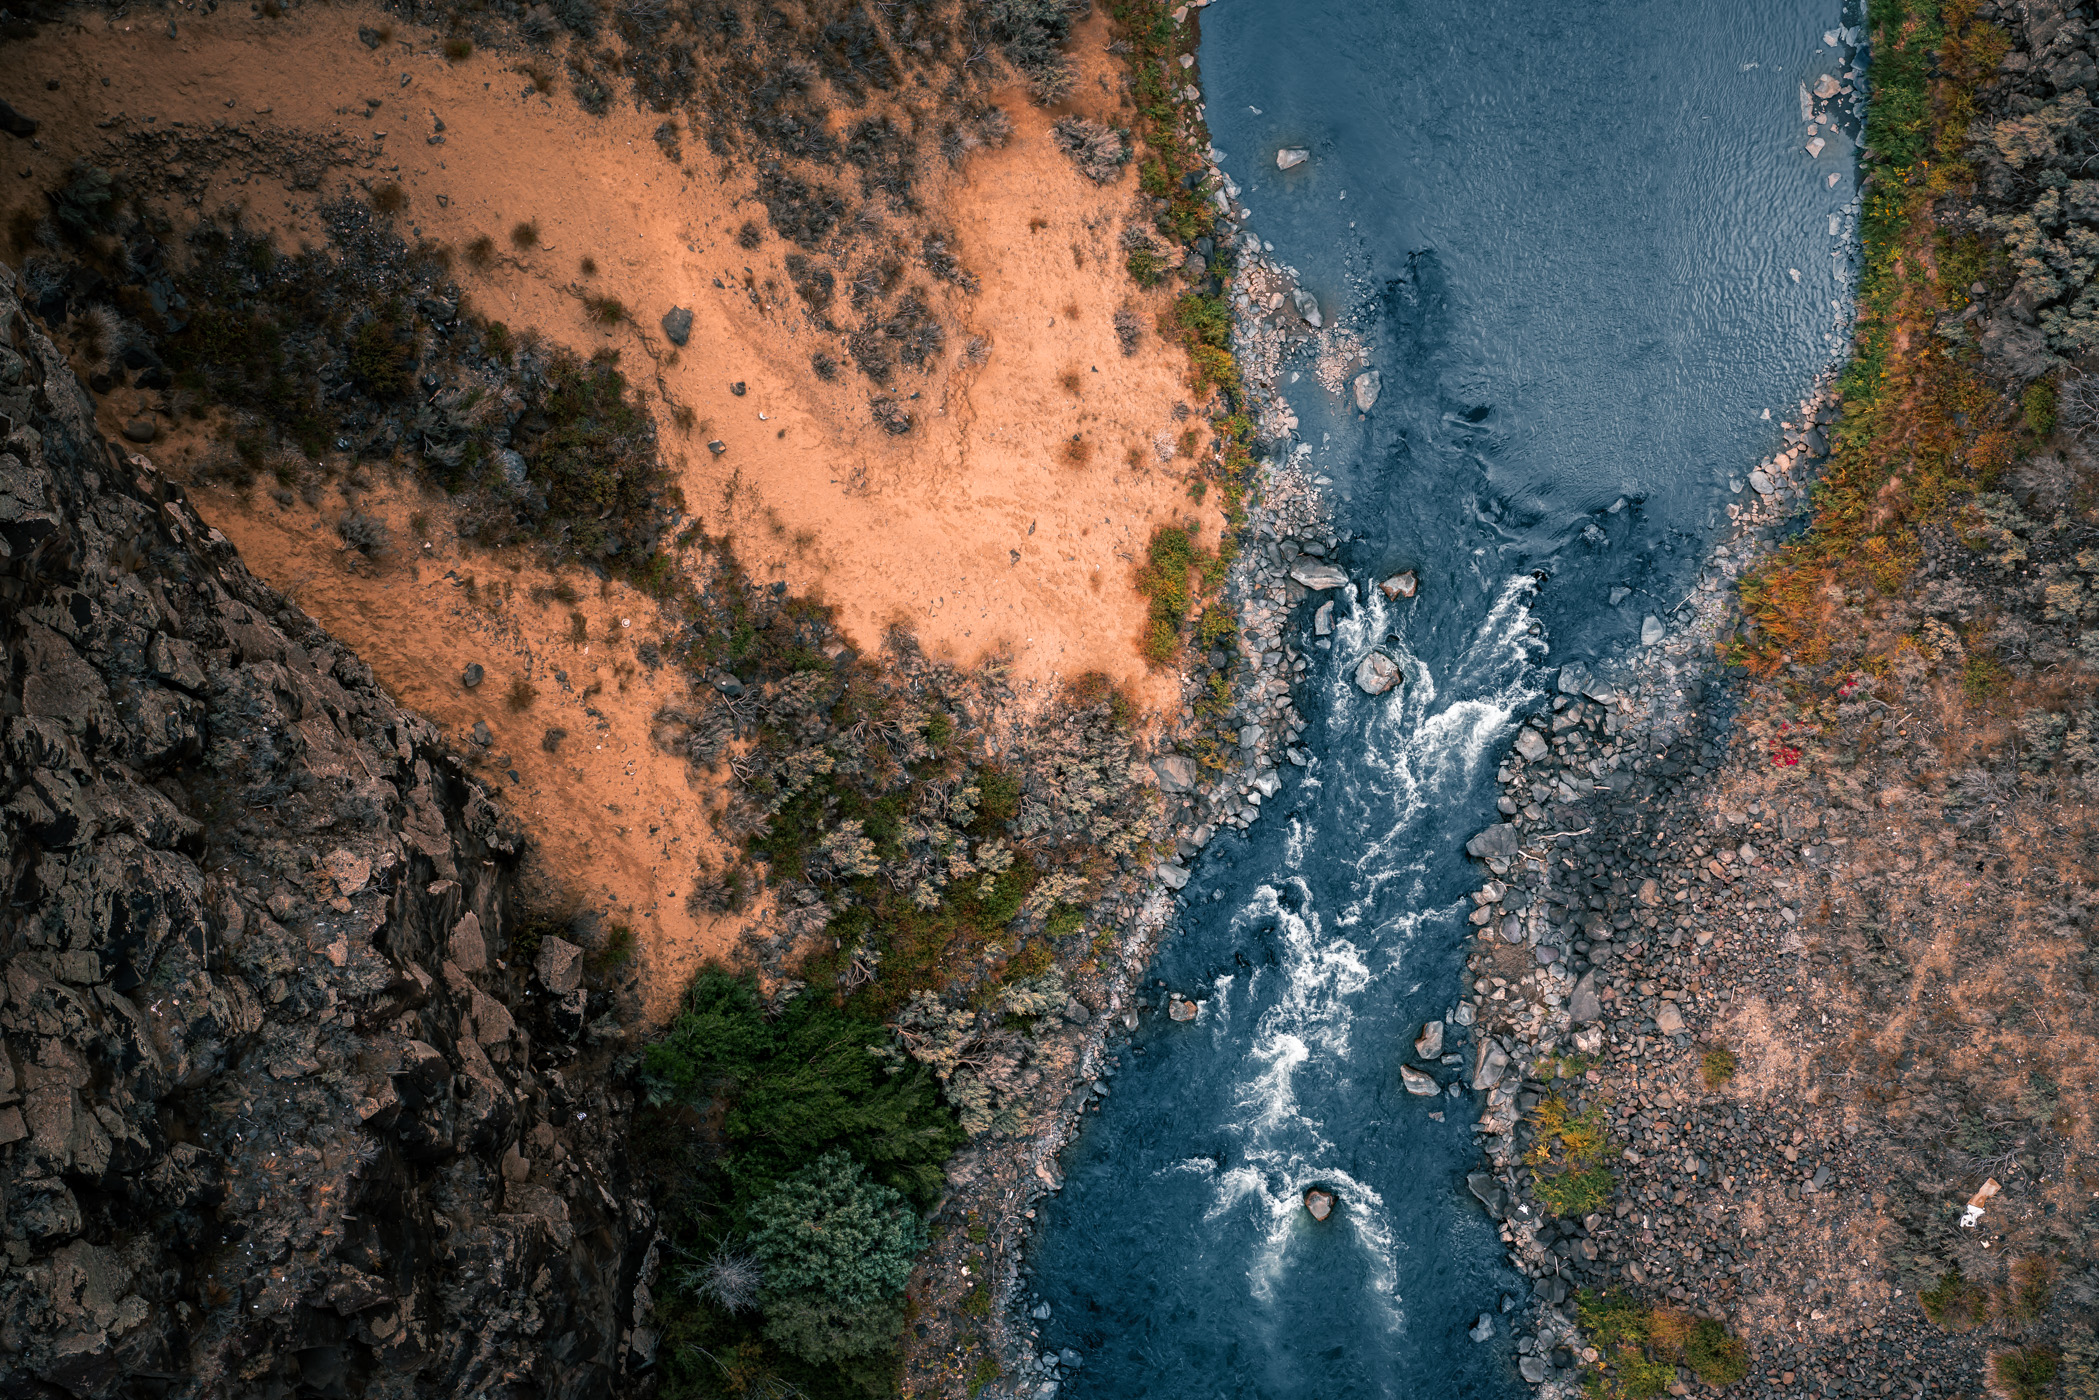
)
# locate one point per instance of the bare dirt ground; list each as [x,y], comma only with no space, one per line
[986,530]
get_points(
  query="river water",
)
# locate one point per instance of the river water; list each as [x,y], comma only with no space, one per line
[1588,251]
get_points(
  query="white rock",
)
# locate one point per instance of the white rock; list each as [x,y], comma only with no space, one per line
[1418,1083]
[1174,877]
[1668,1019]
[1429,1044]
[1531,744]
[1323,620]
[1401,585]
[1651,630]
[1316,574]
[1366,386]
[1290,157]
[1827,86]
[1377,673]
[1307,306]
[1761,482]
[1814,148]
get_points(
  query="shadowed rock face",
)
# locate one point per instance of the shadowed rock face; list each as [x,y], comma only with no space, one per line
[263,1131]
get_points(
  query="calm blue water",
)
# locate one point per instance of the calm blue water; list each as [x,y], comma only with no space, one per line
[1568,234]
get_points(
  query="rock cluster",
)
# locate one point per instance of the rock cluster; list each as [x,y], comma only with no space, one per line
[279,1110]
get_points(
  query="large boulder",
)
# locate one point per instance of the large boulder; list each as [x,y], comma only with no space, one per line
[1401,585]
[1497,842]
[1429,1044]
[1290,157]
[1317,574]
[1366,386]
[1319,1204]
[1583,1003]
[1419,1083]
[1176,772]
[1377,673]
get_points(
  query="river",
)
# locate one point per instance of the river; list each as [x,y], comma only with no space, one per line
[1590,252]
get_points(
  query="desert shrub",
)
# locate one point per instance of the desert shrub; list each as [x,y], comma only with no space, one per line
[87,203]
[381,360]
[596,462]
[1100,152]
[580,17]
[521,695]
[389,198]
[1954,1303]
[2037,408]
[1129,330]
[1717,1067]
[2025,1373]
[458,48]
[524,234]
[366,534]
[1567,1158]
[1031,34]
[606,311]
[2031,1288]
[481,251]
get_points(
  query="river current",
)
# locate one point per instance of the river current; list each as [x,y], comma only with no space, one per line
[1590,253]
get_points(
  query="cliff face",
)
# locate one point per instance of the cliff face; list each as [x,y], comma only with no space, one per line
[277,1117]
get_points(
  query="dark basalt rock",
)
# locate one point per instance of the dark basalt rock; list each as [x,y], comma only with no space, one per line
[253,1111]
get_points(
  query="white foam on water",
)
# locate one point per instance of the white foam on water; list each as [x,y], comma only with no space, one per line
[1416,749]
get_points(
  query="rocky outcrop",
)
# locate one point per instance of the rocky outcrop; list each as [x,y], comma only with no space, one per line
[278,1111]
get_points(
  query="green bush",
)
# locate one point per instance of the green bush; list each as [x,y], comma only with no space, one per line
[1954,1303]
[2025,1373]
[1713,1355]
[794,1088]
[834,1232]
[2037,408]
[819,1330]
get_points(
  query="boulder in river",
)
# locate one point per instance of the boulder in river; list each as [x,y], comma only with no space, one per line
[1429,1044]
[1401,585]
[1377,673]
[1179,1008]
[1316,574]
[1366,386]
[1319,1204]
[1174,877]
[1419,1083]
[1827,86]
[1290,157]
[1323,620]
[1307,306]
[1481,1330]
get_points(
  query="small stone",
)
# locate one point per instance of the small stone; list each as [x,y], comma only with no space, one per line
[1814,148]
[1481,1330]
[472,675]
[141,430]
[1323,620]
[1583,1003]
[1651,630]
[350,871]
[1290,157]
[739,388]
[1076,1012]
[1401,585]
[482,734]
[1319,1204]
[677,324]
[1307,306]
[1668,1019]
[1827,86]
